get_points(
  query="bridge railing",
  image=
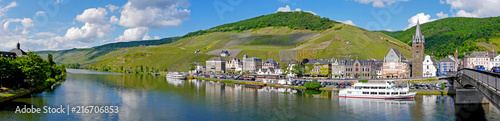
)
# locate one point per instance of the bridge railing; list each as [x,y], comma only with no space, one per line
[489,78]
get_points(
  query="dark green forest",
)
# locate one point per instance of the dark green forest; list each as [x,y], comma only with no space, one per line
[295,20]
[443,36]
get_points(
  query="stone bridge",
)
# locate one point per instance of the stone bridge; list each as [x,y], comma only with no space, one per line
[477,84]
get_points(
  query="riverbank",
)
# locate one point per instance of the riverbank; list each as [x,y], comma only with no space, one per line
[23,92]
[430,92]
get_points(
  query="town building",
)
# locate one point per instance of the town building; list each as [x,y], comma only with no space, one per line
[12,54]
[338,68]
[477,58]
[270,63]
[359,68]
[448,65]
[288,71]
[199,68]
[216,65]
[317,68]
[252,64]
[378,69]
[495,61]
[394,65]
[234,64]
[417,51]
[430,66]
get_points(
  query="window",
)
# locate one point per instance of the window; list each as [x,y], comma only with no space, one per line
[394,93]
[373,93]
[349,92]
[381,87]
[373,87]
[366,87]
[381,93]
[357,87]
[403,93]
[366,93]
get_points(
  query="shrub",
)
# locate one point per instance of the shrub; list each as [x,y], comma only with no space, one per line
[364,80]
[315,80]
[314,86]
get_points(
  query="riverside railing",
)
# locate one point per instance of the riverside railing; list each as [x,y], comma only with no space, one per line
[488,78]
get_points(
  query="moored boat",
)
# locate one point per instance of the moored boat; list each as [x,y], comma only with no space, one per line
[176,75]
[385,90]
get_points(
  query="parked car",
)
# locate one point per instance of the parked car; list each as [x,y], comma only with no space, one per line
[479,67]
[495,69]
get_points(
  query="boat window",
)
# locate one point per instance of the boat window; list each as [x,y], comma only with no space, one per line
[394,93]
[403,93]
[373,87]
[388,93]
[373,93]
[381,93]
[381,87]
[348,92]
[366,87]
[366,93]
[357,87]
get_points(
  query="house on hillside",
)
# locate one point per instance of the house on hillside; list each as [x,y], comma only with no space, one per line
[270,63]
[359,68]
[288,71]
[199,68]
[429,66]
[216,65]
[224,53]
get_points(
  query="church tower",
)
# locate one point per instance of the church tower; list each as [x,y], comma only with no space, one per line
[417,52]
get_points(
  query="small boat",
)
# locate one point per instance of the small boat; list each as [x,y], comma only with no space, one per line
[377,91]
[176,75]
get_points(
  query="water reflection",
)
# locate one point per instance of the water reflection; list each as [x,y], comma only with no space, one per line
[145,97]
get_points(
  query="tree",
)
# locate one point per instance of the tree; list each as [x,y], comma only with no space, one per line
[297,70]
[284,67]
[49,58]
[192,67]
[310,85]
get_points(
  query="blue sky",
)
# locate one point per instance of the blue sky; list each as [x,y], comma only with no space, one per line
[70,24]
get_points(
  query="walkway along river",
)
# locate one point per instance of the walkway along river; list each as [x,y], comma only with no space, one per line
[145,97]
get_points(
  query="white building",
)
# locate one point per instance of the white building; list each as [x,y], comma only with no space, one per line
[430,66]
[495,62]
[234,64]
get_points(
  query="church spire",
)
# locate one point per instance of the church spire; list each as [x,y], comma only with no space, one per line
[418,37]
[18,45]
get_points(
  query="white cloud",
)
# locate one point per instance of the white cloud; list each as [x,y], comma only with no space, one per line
[388,29]
[379,3]
[474,8]
[288,9]
[113,20]
[112,7]
[26,24]
[39,13]
[93,15]
[134,34]
[7,8]
[442,2]
[95,27]
[420,17]
[45,34]
[442,15]
[157,37]
[154,13]
[349,22]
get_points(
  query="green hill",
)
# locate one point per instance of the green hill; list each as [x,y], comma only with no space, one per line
[278,42]
[443,36]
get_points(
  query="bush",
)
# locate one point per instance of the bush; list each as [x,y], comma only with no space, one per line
[315,80]
[364,80]
[314,86]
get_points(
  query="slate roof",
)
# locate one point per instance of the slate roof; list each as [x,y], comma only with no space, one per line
[446,60]
[18,50]
[253,59]
[322,61]
[216,59]
[270,61]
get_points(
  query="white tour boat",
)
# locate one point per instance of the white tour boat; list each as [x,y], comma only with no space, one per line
[377,91]
[176,75]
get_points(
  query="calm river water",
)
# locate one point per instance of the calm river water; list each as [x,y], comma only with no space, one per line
[144,97]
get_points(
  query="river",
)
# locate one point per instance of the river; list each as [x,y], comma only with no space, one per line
[145,97]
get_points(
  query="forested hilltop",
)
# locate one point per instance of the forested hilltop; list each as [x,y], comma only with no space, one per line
[443,36]
[294,20]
